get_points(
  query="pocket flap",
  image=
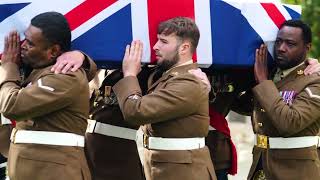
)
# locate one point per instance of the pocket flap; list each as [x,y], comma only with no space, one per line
[182,157]
[301,153]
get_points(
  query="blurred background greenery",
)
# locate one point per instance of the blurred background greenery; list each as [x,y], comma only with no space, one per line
[311,15]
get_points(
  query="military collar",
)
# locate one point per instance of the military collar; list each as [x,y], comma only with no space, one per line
[297,71]
[286,72]
[186,63]
[181,69]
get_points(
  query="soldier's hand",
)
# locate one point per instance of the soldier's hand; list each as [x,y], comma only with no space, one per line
[131,64]
[261,64]
[11,52]
[313,67]
[202,76]
[68,61]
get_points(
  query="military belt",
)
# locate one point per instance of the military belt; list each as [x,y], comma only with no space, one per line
[266,142]
[110,130]
[2,165]
[46,138]
[159,143]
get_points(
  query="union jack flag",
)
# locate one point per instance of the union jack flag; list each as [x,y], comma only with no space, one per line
[230,30]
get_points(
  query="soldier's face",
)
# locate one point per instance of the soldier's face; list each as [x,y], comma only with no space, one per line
[290,49]
[34,49]
[166,50]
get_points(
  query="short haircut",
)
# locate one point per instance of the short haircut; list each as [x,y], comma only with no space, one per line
[55,29]
[306,31]
[183,27]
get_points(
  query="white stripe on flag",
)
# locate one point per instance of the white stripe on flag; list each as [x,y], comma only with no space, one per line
[21,20]
[14,1]
[140,28]
[296,8]
[263,25]
[283,11]
[99,18]
[203,21]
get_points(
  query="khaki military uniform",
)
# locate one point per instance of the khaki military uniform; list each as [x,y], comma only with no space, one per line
[52,103]
[112,155]
[5,131]
[290,108]
[220,150]
[176,106]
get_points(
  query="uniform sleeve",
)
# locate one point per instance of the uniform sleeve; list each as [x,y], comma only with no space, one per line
[50,93]
[243,103]
[5,132]
[89,66]
[289,118]
[180,97]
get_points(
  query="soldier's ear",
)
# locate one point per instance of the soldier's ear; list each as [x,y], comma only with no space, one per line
[185,47]
[308,46]
[54,51]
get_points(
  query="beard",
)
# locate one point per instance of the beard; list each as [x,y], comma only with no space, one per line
[26,69]
[166,64]
[286,63]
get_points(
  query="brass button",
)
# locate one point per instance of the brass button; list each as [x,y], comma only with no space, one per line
[262,110]
[260,124]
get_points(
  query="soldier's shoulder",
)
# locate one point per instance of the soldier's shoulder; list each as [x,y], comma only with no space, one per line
[310,79]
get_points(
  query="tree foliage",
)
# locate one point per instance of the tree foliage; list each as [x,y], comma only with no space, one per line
[311,15]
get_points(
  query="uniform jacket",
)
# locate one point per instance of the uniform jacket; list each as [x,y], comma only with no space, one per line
[47,102]
[176,106]
[292,116]
[109,157]
[5,132]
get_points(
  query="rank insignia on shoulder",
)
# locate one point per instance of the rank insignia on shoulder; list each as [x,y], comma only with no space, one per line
[300,72]
[107,91]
